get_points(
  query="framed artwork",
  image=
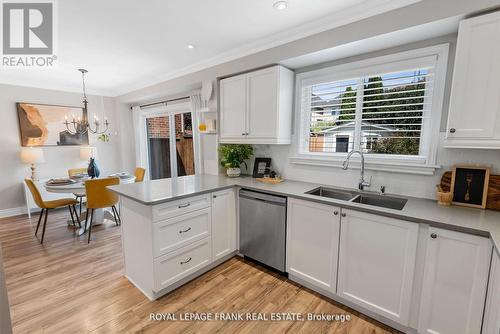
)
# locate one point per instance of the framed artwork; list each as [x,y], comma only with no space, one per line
[43,125]
[260,166]
[469,186]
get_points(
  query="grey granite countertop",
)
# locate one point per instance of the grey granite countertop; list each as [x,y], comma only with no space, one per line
[476,221]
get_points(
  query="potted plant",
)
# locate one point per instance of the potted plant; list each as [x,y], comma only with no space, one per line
[232,156]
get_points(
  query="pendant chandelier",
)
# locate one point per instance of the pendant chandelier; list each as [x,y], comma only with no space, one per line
[81,125]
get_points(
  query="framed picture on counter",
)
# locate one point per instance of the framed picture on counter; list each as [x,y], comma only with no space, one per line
[469,185]
[260,166]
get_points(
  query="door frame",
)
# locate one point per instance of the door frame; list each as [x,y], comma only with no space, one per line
[163,110]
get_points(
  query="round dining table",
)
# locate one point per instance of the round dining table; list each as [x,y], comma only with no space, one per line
[78,188]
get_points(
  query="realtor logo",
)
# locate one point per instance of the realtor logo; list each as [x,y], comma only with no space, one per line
[28,33]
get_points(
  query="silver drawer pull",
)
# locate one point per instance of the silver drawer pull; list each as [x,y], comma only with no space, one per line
[188,260]
[184,205]
[187,230]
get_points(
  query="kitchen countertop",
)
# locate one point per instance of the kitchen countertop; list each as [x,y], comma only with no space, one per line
[419,210]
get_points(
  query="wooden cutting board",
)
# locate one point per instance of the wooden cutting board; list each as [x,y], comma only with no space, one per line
[493,199]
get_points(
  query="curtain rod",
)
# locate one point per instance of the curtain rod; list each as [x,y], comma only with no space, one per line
[164,101]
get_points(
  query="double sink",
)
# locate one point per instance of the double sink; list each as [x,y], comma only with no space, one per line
[372,199]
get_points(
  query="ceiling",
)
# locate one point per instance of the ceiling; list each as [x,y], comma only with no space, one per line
[127,45]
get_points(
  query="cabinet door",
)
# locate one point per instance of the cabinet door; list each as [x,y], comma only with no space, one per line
[475,102]
[312,243]
[233,104]
[491,323]
[377,262]
[223,223]
[454,283]
[262,116]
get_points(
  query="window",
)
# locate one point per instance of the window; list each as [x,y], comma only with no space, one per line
[165,143]
[388,108]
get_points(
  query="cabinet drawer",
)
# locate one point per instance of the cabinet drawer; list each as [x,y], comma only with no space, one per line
[179,207]
[174,266]
[179,231]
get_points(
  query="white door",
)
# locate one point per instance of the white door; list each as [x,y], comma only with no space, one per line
[233,104]
[312,242]
[223,223]
[491,323]
[454,283]
[262,115]
[377,262]
[475,102]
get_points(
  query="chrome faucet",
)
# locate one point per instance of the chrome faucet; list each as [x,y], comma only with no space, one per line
[362,183]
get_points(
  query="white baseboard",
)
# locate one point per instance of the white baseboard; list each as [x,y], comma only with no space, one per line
[12,212]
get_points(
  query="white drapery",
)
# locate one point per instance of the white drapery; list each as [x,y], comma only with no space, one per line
[195,109]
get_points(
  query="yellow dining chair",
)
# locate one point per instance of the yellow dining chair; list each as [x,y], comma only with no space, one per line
[47,205]
[73,172]
[98,197]
[139,174]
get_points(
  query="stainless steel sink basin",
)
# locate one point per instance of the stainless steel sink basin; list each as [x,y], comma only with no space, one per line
[344,195]
[383,201]
[372,199]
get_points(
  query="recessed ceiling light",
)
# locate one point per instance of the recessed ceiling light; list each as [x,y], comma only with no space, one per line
[280,5]
[190,46]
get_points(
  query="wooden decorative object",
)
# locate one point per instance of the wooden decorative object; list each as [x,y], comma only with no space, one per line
[269,180]
[493,197]
[443,197]
[469,186]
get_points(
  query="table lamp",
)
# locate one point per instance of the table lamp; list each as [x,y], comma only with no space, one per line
[32,156]
[89,153]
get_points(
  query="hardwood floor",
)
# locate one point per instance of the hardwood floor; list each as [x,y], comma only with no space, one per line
[67,286]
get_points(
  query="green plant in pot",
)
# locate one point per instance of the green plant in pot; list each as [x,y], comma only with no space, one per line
[232,156]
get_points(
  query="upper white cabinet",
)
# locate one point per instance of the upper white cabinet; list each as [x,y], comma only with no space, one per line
[454,283]
[223,223]
[473,119]
[491,324]
[256,107]
[312,242]
[377,263]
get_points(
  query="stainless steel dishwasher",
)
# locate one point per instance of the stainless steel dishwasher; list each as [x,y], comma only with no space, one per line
[263,228]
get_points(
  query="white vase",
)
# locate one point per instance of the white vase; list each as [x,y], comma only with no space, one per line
[233,172]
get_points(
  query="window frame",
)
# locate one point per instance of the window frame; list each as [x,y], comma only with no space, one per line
[436,56]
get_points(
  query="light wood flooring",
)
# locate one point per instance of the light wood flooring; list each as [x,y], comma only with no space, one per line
[67,286]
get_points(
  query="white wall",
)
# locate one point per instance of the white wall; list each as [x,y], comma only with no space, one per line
[58,159]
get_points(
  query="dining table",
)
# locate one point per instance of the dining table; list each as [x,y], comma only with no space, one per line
[100,216]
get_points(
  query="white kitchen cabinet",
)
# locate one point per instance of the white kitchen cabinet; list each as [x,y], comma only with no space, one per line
[491,324]
[256,107]
[377,262]
[312,242]
[473,119]
[223,223]
[233,105]
[454,283]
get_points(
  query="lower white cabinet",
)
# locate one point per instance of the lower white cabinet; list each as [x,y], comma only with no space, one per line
[491,323]
[223,223]
[377,263]
[178,264]
[312,242]
[454,284]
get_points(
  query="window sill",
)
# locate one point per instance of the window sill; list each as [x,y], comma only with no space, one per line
[405,166]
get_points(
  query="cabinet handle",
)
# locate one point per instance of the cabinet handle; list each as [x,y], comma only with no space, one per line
[184,262]
[453,130]
[344,214]
[434,235]
[335,212]
[187,230]
[215,196]
[243,134]
[246,133]
[184,205]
